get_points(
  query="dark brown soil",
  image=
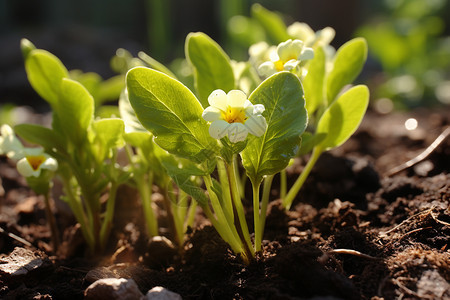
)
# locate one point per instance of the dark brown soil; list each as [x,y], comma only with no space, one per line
[353,233]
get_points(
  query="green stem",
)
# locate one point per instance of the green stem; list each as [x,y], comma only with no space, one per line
[287,201]
[225,227]
[169,198]
[51,222]
[109,214]
[190,215]
[223,177]
[78,211]
[241,223]
[255,188]
[144,184]
[262,220]
[283,184]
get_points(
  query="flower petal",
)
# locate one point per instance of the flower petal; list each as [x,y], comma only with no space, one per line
[211,114]
[237,132]
[258,109]
[236,98]
[256,125]
[50,164]
[25,169]
[267,69]
[218,99]
[307,53]
[292,64]
[290,49]
[218,129]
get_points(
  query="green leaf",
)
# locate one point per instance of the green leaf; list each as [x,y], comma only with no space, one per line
[212,69]
[181,172]
[348,63]
[74,110]
[154,64]
[45,73]
[40,135]
[170,111]
[272,23]
[309,141]
[343,117]
[110,89]
[142,140]
[313,84]
[282,96]
[108,135]
[128,115]
[26,46]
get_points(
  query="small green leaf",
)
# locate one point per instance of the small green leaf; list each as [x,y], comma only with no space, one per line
[170,111]
[142,140]
[181,172]
[212,69]
[74,110]
[26,46]
[343,117]
[313,84]
[285,113]
[40,135]
[272,23]
[45,73]
[108,135]
[309,141]
[348,63]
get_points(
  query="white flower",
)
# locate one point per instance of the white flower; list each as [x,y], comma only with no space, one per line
[288,56]
[10,145]
[234,116]
[303,32]
[34,161]
[30,160]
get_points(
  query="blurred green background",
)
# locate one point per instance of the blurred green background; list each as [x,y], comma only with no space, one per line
[409,44]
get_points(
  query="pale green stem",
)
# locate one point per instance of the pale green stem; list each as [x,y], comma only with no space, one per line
[51,222]
[190,215]
[287,201]
[283,184]
[262,220]
[179,214]
[229,233]
[226,196]
[77,209]
[144,186]
[109,214]
[239,207]
[255,188]
[225,233]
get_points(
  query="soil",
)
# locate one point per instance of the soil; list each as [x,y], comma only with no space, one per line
[357,230]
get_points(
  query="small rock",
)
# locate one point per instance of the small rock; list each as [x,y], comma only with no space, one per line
[20,262]
[160,251]
[160,293]
[113,288]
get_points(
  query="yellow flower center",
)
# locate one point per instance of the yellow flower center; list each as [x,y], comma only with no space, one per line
[279,65]
[234,115]
[36,161]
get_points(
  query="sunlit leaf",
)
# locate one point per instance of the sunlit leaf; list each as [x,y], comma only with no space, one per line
[285,113]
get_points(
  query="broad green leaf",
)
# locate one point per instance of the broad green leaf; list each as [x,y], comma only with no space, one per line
[285,113]
[313,84]
[108,134]
[343,117]
[181,172]
[348,63]
[40,135]
[212,69]
[110,89]
[154,64]
[45,73]
[74,110]
[272,23]
[170,111]
[128,115]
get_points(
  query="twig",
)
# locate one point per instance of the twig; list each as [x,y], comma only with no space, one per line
[422,155]
[352,252]
[17,238]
